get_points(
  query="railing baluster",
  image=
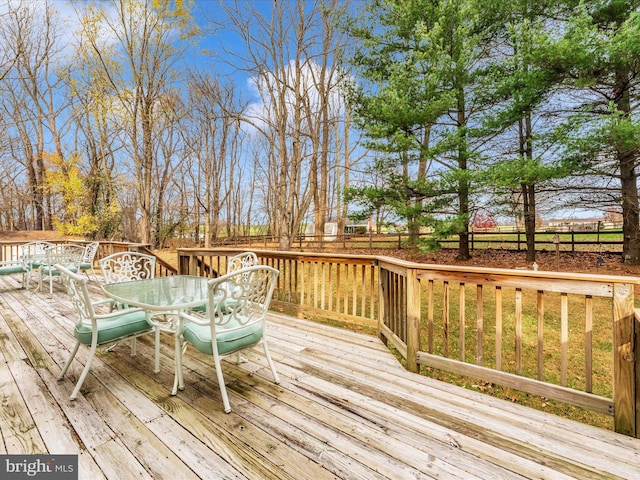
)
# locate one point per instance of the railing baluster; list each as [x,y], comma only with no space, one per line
[479,324]
[462,315]
[564,338]
[498,328]
[540,333]
[588,343]
[430,319]
[445,319]
[518,317]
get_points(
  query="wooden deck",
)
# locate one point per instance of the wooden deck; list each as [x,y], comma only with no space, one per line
[345,409]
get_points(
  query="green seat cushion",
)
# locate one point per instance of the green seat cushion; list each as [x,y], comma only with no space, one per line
[228,338]
[110,329]
[86,266]
[9,269]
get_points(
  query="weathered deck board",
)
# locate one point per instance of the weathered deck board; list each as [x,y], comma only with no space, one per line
[345,408]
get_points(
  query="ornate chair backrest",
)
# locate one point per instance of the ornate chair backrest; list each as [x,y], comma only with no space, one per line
[33,253]
[76,286]
[68,255]
[90,251]
[242,260]
[127,266]
[242,297]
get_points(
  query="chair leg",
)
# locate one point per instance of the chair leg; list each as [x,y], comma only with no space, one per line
[223,388]
[71,357]
[84,373]
[276,378]
[178,379]
[157,351]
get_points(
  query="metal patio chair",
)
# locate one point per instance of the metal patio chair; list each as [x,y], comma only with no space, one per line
[127,266]
[95,329]
[90,251]
[68,255]
[242,260]
[235,320]
[33,255]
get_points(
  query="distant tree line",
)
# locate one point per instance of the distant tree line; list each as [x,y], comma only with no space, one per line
[113,129]
[424,112]
[519,108]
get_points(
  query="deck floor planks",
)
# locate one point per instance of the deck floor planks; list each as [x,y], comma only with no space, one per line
[150,411]
[521,439]
[344,428]
[344,400]
[409,426]
[326,389]
[227,434]
[584,446]
[17,428]
[319,439]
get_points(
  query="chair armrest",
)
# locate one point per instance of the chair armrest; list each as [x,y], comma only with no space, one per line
[117,313]
[104,301]
[11,262]
[195,319]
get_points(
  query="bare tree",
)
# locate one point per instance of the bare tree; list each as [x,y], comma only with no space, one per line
[31,104]
[169,156]
[98,136]
[287,50]
[9,55]
[136,43]
[211,140]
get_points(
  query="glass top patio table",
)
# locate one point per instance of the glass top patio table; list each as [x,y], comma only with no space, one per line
[161,294]
[163,298]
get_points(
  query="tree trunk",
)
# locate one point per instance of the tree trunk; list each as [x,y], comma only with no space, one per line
[463,185]
[628,181]
[528,190]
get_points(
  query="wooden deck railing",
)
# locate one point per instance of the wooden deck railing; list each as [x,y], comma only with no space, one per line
[568,337]
[537,332]
[338,287]
[10,250]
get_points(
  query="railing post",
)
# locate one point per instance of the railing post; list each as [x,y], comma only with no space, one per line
[413,319]
[625,358]
[382,301]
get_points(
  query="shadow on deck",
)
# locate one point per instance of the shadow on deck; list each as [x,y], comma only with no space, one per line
[345,409]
